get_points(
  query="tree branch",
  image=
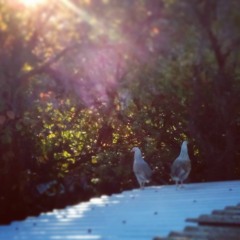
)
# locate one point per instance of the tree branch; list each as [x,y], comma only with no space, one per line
[206,25]
[47,63]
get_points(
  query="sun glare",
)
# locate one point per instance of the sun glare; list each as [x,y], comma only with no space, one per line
[32,3]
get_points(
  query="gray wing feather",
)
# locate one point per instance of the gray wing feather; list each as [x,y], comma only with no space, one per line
[142,169]
[180,169]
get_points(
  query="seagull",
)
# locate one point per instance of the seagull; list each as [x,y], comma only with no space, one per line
[181,167]
[141,168]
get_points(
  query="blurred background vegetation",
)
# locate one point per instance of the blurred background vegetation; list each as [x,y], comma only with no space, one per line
[83,81]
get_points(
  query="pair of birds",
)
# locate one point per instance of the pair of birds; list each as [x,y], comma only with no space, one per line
[180,168]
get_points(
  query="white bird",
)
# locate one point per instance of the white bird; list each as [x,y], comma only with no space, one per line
[181,167]
[141,169]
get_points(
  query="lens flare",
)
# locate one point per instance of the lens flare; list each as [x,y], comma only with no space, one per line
[32,3]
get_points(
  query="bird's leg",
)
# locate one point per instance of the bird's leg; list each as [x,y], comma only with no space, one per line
[181,185]
[176,184]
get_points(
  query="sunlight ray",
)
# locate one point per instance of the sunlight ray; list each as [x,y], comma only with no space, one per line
[32,3]
[83,14]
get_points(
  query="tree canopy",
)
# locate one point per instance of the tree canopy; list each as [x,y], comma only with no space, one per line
[84,81]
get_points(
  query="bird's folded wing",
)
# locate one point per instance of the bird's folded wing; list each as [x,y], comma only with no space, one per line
[179,167]
[143,167]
